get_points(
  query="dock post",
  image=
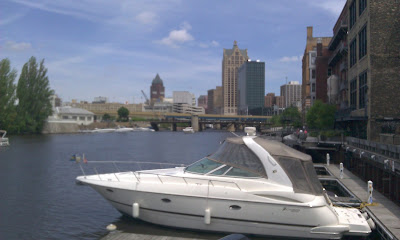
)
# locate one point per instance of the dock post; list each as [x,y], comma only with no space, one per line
[327,159]
[341,170]
[370,190]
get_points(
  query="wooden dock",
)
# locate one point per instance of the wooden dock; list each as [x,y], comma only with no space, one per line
[386,212]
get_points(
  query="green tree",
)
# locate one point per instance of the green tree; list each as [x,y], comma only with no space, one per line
[33,93]
[291,116]
[106,117]
[8,112]
[321,116]
[123,114]
[275,120]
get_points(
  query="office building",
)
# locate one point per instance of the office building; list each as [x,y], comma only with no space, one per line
[291,94]
[184,97]
[214,102]
[373,69]
[232,60]
[251,88]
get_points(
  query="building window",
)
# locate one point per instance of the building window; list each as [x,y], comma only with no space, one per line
[363,89]
[65,117]
[353,93]
[362,5]
[82,118]
[74,117]
[353,52]
[353,16]
[313,87]
[362,42]
[313,74]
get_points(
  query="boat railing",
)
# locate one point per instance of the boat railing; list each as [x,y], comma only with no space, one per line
[160,176]
[185,179]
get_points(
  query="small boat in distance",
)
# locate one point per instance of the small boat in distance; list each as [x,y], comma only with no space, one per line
[188,130]
[143,129]
[103,130]
[3,140]
[123,129]
[249,185]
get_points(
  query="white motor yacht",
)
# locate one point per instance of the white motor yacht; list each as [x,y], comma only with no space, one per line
[123,129]
[3,140]
[188,130]
[143,129]
[103,130]
[250,185]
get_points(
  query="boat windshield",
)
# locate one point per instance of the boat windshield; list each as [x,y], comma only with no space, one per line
[207,166]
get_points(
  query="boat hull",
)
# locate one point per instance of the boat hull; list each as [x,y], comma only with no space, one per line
[225,215]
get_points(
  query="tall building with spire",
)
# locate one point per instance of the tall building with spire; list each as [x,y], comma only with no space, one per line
[157,90]
[232,60]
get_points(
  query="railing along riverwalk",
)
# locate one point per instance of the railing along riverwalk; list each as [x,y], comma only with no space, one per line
[159,176]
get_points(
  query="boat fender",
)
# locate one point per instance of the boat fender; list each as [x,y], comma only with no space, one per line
[135,210]
[207,216]
[111,227]
[371,223]
[365,214]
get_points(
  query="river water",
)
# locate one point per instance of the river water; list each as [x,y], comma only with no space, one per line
[40,200]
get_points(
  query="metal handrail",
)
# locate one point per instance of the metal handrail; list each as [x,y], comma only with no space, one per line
[212,181]
[185,179]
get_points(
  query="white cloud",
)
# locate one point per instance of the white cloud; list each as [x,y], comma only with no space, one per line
[290,59]
[147,18]
[177,37]
[9,19]
[14,46]
[207,45]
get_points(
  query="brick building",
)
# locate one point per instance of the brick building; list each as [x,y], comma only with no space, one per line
[214,101]
[373,69]
[157,90]
[322,72]
[308,88]
[269,100]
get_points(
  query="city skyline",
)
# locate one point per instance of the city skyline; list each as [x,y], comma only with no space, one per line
[115,49]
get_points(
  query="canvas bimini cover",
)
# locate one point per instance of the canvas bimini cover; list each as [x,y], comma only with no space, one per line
[297,165]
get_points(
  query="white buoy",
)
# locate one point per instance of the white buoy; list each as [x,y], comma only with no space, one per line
[370,190]
[327,159]
[341,170]
[207,216]
[111,227]
[135,210]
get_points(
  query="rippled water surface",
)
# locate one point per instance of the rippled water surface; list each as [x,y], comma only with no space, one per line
[40,200]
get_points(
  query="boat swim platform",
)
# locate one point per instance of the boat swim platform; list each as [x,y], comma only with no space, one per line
[386,214]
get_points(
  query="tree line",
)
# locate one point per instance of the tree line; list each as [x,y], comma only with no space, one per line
[24,106]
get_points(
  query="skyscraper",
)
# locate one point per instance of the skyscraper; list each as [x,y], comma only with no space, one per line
[251,88]
[232,60]
[157,90]
[291,94]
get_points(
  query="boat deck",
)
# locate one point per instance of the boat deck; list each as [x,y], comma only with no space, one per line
[386,212]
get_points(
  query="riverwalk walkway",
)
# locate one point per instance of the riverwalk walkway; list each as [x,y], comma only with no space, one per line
[386,212]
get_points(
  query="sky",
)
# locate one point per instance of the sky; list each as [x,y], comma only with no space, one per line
[115,48]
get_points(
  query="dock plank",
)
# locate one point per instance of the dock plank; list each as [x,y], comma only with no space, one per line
[387,212]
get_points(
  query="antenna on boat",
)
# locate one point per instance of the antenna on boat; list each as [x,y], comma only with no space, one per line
[235,134]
